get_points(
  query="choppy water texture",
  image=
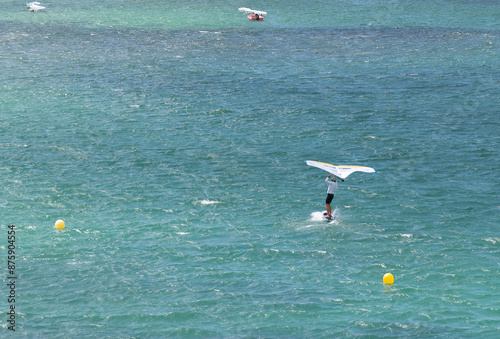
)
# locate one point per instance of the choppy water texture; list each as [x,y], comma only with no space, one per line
[171,139]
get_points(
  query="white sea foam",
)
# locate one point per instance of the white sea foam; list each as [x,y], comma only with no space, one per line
[209,202]
[493,240]
[317,216]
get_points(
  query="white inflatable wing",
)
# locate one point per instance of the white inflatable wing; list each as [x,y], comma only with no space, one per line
[245,10]
[35,6]
[261,13]
[340,171]
[251,11]
[324,166]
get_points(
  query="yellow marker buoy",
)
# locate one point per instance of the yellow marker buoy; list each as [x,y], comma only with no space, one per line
[60,224]
[388,279]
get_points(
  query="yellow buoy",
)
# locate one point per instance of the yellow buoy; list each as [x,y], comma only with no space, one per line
[60,224]
[388,279]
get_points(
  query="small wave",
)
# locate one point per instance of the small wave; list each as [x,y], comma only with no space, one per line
[209,202]
[206,32]
[493,240]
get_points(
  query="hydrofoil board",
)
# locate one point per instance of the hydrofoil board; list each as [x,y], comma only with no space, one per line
[328,219]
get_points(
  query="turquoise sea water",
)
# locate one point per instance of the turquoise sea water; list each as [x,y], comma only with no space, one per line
[171,139]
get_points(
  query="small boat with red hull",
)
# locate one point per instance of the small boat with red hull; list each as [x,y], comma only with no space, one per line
[253,14]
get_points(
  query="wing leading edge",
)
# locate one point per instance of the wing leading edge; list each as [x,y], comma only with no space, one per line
[340,171]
